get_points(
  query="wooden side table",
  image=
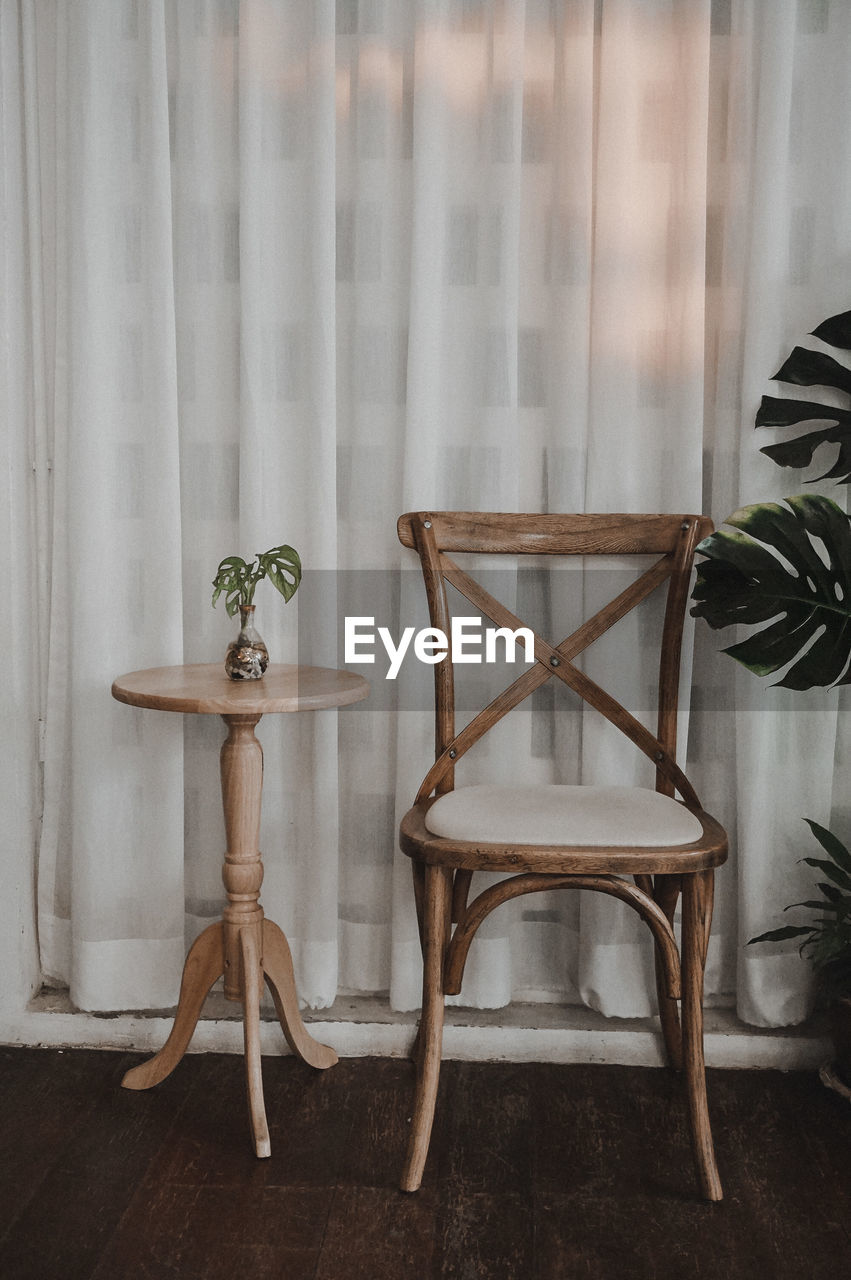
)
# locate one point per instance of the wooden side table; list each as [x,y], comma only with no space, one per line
[243,946]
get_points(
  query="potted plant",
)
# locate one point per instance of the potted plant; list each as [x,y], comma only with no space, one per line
[768,572]
[247,657]
[827,941]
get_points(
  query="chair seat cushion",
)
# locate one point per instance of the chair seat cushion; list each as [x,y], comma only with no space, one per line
[555,814]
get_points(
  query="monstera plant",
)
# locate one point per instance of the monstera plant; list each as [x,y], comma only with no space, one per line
[785,569]
[803,598]
[789,566]
[805,368]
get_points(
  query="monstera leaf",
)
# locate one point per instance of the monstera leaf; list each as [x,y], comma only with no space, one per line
[806,368]
[237,580]
[790,567]
[282,566]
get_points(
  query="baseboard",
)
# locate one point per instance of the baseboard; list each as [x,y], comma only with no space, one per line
[364,1027]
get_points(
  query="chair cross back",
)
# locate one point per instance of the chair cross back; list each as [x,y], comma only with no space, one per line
[673,537]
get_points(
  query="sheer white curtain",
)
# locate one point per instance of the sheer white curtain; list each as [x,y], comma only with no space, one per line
[779,250]
[301,267]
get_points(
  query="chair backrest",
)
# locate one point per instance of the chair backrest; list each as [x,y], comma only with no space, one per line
[671,537]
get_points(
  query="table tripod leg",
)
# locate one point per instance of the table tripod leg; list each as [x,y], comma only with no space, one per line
[278,965]
[204,964]
[252,987]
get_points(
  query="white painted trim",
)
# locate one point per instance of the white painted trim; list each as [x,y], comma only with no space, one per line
[727,1043]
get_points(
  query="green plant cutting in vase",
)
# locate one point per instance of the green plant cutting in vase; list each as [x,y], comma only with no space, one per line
[236,579]
[785,569]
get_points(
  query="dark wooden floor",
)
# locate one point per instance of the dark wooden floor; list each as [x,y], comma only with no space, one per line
[535,1171]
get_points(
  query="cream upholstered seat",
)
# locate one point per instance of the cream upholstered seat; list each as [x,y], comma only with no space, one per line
[554,814]
[641,846]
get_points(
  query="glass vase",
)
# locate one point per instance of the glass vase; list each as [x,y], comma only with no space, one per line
[247,656]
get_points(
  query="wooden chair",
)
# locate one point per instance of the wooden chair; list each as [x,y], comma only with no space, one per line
[639,845]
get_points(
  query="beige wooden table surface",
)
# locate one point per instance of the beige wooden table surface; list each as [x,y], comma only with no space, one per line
[244,947]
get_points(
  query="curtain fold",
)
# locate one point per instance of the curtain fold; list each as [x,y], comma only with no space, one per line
[111,918]
[23,481]
[304,267]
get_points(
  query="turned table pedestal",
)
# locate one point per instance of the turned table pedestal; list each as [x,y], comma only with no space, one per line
[243,947]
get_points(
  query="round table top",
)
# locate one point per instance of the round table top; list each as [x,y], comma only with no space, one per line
[205,687]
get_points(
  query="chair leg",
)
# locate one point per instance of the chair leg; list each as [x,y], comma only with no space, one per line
[666,892]
[418,873]
[697,915]
[436,909]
